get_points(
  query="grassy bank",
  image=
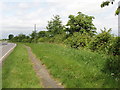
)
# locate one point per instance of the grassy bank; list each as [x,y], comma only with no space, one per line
[17,70]
[74,68]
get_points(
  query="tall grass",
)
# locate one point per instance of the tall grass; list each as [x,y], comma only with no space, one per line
[17,70]
[74,68]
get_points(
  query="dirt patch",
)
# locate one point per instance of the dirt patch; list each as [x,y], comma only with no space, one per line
[41,71]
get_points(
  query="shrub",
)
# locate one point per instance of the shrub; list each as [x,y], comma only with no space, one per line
[112,66]
[26,40]
[59,38]
[43,39]
[101,41]
[78,40]
[114,47]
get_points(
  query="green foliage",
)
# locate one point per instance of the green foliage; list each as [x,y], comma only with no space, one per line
[101,41]
[110,45]
[42,34]
[114,47]
[11,36]
[34,36]
[81,23]
[43,39]
[58,38]
[112,66]
[78,40]
[55,26]
[26,40]
[21,38]
[117,11]
[107,3]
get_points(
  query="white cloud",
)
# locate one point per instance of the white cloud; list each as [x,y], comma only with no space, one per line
[26,14]
[23,5]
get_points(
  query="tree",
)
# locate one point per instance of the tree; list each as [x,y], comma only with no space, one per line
[11,36]
[15,39]
[34,36]
[55,26]
[42,34]
[107,3]
[81,23]
[21,37]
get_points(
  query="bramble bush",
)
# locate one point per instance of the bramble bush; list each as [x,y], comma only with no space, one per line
[114,48]
[113,61]
[43,39]
[78,40]
[59,38]
[101,41]
[108,44]
[112,66]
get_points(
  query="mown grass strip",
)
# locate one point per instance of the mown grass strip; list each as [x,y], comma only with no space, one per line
[74,68]
[17,70]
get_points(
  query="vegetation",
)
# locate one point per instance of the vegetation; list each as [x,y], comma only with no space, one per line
[78,40]
[55,26]
[17,70]
[81,23]
[21,38]
[11,36]
[79,33]
[75,68]
[101,41]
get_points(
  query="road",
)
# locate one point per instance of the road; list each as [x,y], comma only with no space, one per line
[5,50]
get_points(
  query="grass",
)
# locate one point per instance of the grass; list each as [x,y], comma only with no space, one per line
[0,77]
[17,70]
[74,68]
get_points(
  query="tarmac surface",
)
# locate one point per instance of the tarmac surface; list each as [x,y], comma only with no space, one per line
[5,49]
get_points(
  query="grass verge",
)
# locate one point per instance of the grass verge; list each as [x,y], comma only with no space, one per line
[74,68]
[17,70]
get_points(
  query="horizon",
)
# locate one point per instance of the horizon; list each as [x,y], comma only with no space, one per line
[20,16]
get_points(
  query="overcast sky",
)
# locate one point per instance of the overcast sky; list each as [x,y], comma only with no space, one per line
[19,16]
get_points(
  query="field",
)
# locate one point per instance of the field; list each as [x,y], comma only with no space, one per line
[17,70]
[74,68]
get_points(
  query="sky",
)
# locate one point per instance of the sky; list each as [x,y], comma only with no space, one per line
[19,16]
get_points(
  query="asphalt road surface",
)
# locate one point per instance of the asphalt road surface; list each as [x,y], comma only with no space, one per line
[4,49]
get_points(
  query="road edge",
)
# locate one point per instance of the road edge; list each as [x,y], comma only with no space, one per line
[7,54]
[1,60]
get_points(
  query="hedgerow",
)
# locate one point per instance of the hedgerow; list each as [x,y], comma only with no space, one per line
[79,33]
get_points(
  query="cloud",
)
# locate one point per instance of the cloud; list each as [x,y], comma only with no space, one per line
[21,16]
[23,6]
